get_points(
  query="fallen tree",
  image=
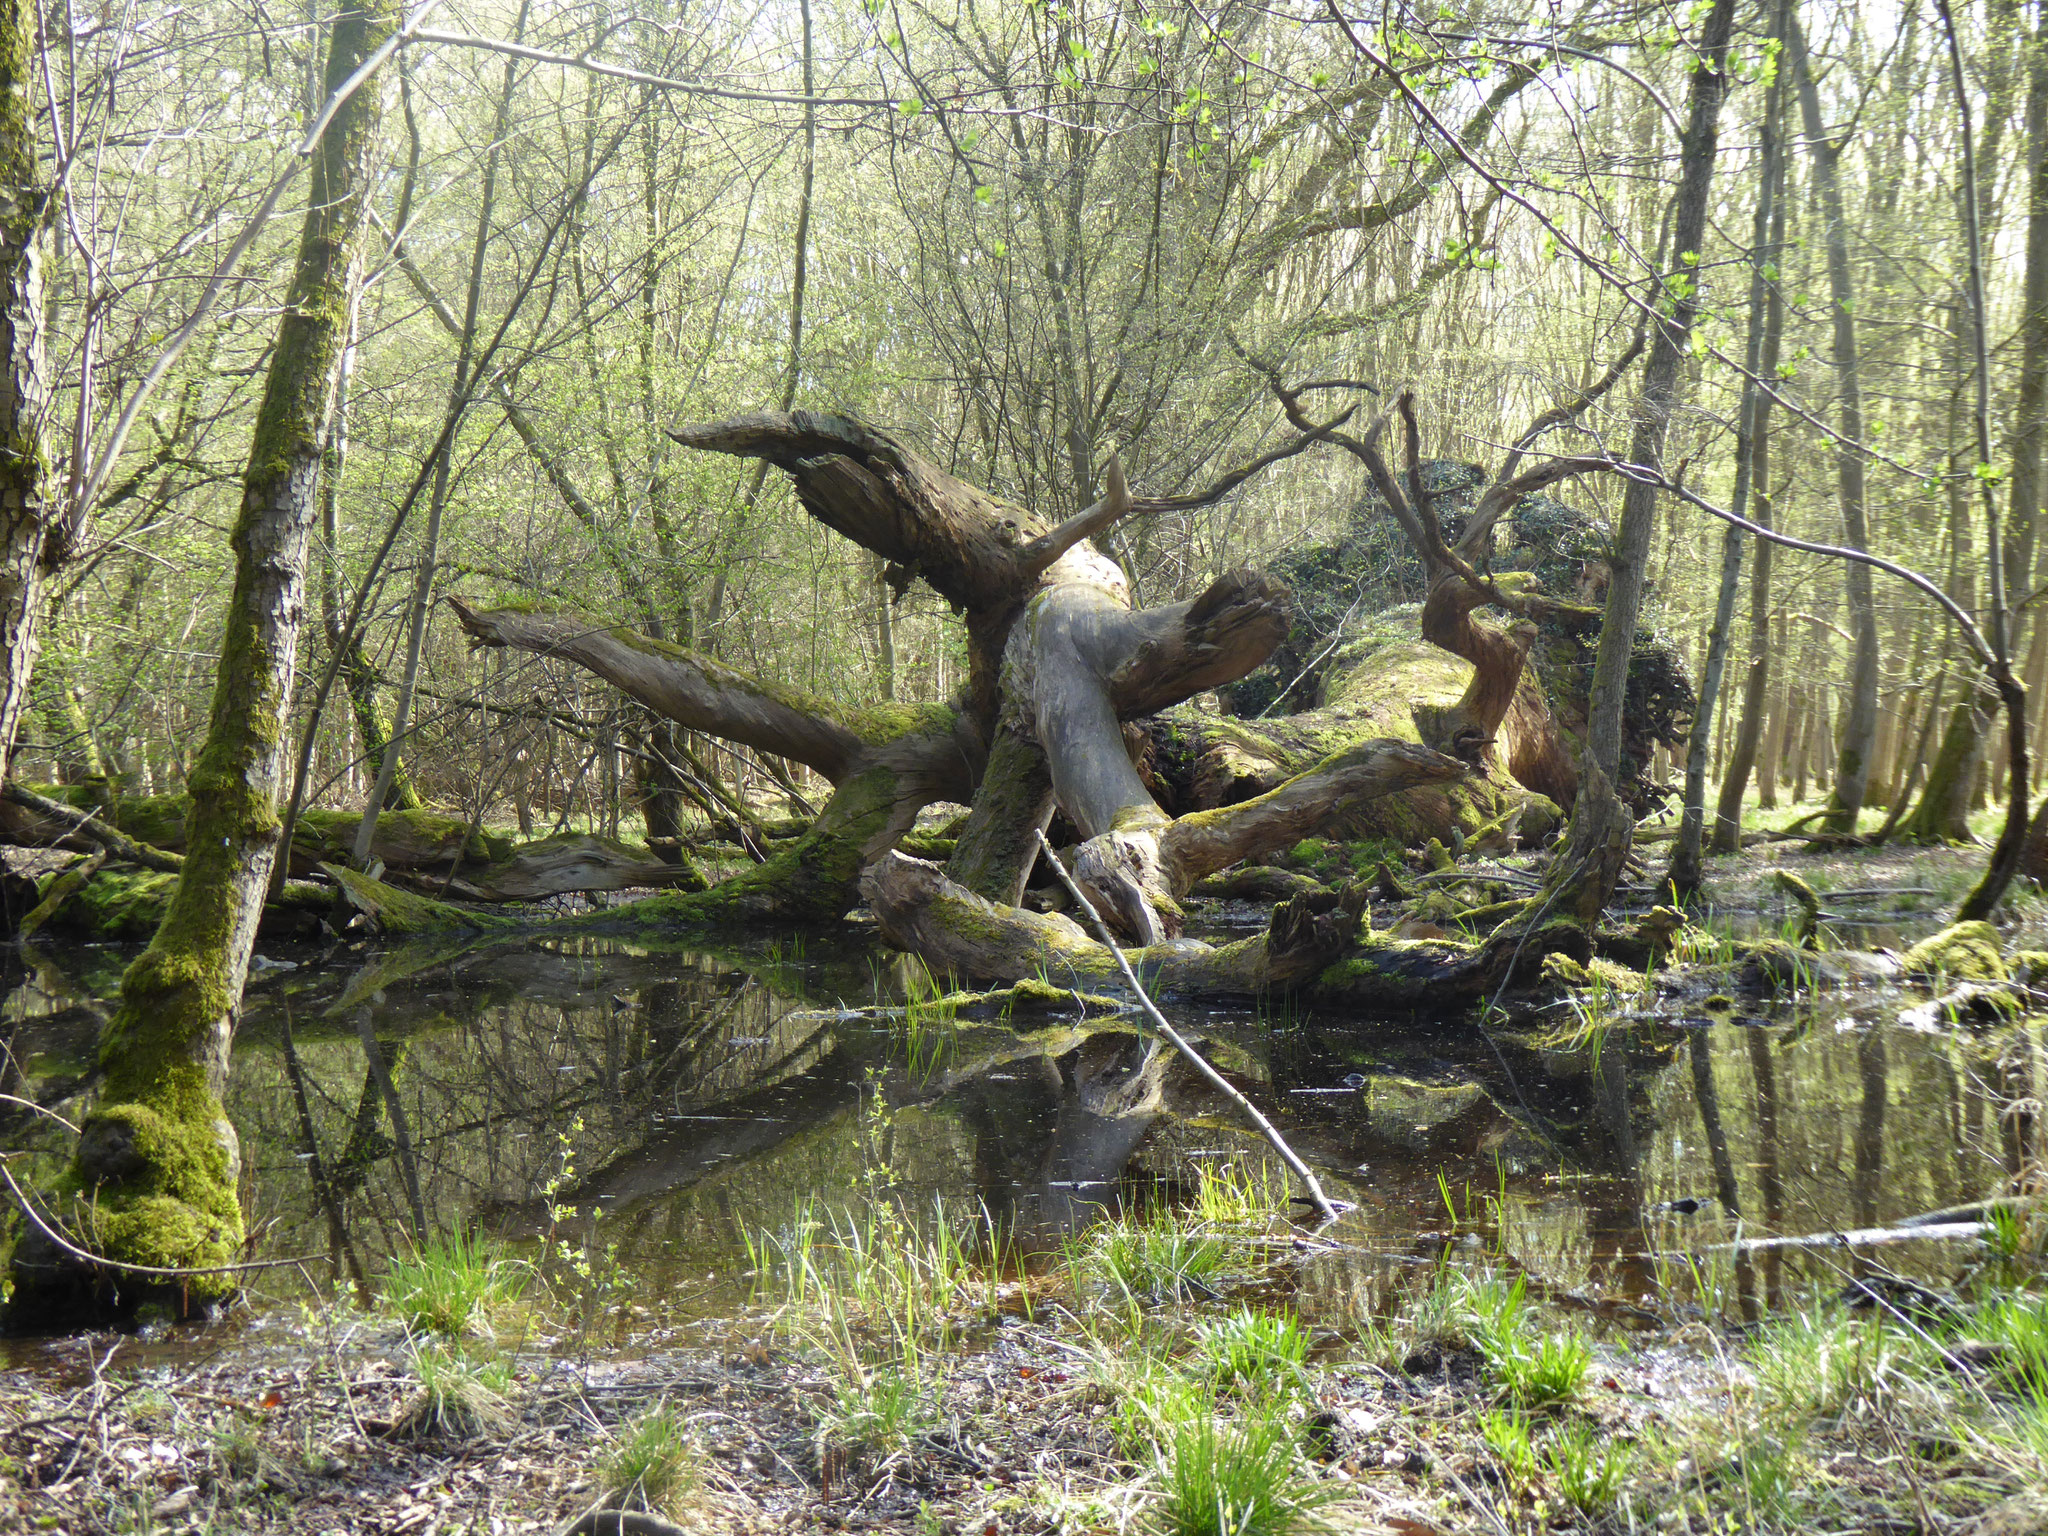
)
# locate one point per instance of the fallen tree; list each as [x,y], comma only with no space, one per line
[1058,662]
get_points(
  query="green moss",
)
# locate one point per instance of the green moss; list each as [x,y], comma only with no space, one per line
[404,914]
[121,904]
[2029,966]
[1963,952]
[1565,971]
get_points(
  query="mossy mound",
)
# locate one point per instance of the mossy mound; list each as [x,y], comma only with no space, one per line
[1348,588]
[1963,952]
[1617,979]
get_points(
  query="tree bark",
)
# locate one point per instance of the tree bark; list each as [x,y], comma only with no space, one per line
[1942,814]
[1315,945]
[886,762]
[1684,874]
[27,520]
[154,1181]
[1590,866]
[1859,719]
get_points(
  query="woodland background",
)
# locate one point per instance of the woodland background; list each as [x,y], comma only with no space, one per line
[1026,236]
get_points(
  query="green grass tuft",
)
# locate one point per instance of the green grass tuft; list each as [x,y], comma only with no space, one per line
[452,1285]
[1252,1350]
[1159,1259]
[1241,1477]
[655,1464]
[1587,1466]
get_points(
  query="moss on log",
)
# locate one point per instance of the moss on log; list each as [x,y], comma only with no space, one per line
[1318,944]
[1386,681]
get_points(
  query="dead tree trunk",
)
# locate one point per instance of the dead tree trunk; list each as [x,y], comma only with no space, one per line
[886,763]
[1058,661]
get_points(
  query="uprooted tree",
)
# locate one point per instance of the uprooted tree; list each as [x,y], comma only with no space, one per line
[1068,706]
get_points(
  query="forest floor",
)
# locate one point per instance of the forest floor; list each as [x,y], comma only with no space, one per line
[1130,1392]
[1138,1382]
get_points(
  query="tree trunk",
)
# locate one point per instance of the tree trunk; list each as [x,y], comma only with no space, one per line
[358,677]
[1590,866]
[1943,812]
[154,1182]
[1750,456]
[1859,719]
[27,521]
[886,763]
[1315,945]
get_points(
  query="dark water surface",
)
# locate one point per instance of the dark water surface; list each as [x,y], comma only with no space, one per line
[689,1099]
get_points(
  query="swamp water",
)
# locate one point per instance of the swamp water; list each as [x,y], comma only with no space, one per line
[658,1110]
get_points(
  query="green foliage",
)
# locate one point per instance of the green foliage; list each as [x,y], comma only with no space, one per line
[1235,1477]
[1234,1194]
[460,1396]
[452,1285]
[1509,1436]
[838,1276]
[877,1411]
[1253,1351]
[1588,1465]
[1151,1259]
[653,1463]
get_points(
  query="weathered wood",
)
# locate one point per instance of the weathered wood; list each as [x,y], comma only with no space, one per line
[691,689]
[1317,944]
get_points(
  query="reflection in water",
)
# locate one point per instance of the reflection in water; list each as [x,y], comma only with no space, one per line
[670,1103]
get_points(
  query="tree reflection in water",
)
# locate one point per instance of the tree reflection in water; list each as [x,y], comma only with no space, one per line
[698,1097]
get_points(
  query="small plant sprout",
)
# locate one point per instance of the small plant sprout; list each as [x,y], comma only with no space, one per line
[1547,1370]
[1509,1437]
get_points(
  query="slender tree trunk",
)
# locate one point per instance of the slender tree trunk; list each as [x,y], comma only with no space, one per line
[358,677]
[1684,875]
[1743,761]
[458,402]
[26,517]
[2012,694]
[1859,721]
[158,1161]
[1601,824]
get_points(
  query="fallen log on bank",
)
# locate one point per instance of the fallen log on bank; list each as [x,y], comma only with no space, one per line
[1317,945]
[441,855]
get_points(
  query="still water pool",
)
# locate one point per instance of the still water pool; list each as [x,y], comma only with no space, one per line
[655,1108]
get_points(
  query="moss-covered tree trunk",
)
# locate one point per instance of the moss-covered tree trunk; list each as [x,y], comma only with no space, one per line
[155,1179]
[1942,814]
[25,513]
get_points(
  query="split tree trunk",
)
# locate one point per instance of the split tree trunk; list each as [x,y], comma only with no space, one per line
[1058,661]
[154,1181]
